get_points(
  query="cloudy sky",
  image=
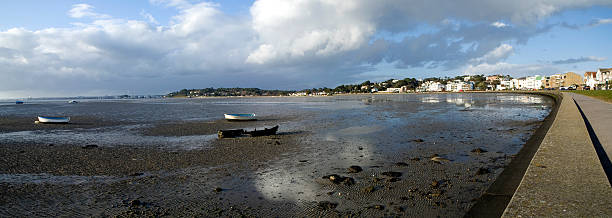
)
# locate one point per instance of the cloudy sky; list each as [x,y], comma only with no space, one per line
[100,47]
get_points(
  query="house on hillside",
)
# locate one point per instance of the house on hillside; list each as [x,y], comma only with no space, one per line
[604,78]
[590,79]
[459,86]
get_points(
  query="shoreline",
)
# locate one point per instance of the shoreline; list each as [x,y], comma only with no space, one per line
[240,171]
[497,197]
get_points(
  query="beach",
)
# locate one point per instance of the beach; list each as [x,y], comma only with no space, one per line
[383,155]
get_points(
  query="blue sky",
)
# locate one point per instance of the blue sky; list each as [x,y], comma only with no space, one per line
[157,46]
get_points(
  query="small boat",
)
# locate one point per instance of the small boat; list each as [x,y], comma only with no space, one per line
[18,102]
[264,132]
[72,102]
[233,133]
[230,133]
[53,119]
[240,116]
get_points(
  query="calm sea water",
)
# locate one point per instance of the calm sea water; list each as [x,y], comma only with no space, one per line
[387,119]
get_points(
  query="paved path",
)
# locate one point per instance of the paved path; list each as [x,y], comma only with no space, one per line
[565,177]
[599,115]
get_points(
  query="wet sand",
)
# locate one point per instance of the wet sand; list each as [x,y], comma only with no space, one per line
[231,177]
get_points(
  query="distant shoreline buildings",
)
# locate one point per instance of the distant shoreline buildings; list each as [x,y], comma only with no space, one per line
[600,80]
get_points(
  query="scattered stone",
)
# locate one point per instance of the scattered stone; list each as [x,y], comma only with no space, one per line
[326,205]
[303,161]
[369,189]
[337,179]
[89,146]
[482,171]
[348,181]
[435,184]
[218,189]
[401,164]
[439,160]
[360,148]
[418,140]
[415,159]
[330,193]
[51,145]
[136,174]
[135,203]
[378,207]
[277,142]
[436,193]
[354,169]
[479,150]
[392,174]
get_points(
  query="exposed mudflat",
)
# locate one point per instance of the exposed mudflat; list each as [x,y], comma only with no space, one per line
[404,155]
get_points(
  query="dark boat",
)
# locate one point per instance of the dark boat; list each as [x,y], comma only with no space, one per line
[264,132]
[18,102]
[230,133]
[233,133]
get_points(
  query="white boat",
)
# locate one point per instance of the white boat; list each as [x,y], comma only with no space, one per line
[54,119]
[72,102]
[240,116]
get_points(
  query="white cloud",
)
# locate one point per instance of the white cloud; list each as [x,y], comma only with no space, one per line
[579,60]
[598,22]
[85,10]
[499,24]
[283,44]
[500,53]
[149,17]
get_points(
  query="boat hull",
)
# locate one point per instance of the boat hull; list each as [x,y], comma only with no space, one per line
[240,117]
[54,119]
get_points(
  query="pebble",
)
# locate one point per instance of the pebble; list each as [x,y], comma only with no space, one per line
[482,171]
[438,159]
[369,189]
[479,150]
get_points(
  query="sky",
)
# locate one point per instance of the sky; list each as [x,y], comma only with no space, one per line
[111,47]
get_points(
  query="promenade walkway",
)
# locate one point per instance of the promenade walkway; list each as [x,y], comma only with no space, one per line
[565,177]
[598,115]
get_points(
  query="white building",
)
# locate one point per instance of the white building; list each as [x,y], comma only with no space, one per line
[392,90]
[505,85]
[459,86]
[604,78]
[431,86]
[590,79]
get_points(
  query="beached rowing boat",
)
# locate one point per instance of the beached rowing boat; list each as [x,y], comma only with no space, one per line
[54,119]
[240,116]
[18,102]
[233,133]
[264,132]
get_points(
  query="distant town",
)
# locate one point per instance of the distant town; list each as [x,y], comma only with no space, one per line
[595,80]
